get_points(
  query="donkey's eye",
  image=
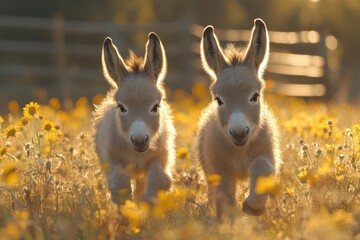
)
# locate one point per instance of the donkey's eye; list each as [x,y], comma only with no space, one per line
[255,97]
[219,101]
[122,109]
[155,108]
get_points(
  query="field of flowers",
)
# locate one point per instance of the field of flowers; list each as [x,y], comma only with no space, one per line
[52,186]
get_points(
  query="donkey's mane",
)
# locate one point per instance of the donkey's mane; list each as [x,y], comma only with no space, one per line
[134,62]
[234,54]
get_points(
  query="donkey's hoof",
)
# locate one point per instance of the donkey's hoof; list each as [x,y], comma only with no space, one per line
[124,221]
[250,211]
[149,200]
[118,198]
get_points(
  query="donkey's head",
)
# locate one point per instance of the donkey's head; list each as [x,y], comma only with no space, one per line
[237,81]
[139,90]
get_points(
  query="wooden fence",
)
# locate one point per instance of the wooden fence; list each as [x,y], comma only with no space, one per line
[43,58]
[298,62]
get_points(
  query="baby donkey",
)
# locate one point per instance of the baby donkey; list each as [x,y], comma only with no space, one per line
[134,132]
[237,132]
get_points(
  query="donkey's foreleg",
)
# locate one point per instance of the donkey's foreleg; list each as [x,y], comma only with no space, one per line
[139,188]
[157,179]
[119,184]
[255,203]
[225,197]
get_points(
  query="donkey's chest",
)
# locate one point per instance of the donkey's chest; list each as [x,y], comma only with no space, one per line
[136,167]
[239,164]
[131,161]
[136,163]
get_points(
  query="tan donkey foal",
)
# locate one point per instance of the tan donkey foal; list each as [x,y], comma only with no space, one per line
[134,132]
[237,133]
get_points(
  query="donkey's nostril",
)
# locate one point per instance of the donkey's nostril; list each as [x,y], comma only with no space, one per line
[132,139]
[247,131]
[239,134]
[231,132]
[139,140]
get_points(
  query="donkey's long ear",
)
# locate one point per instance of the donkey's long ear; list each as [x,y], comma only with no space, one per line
[212,57]
[257,53]
[155,58]
[113,65]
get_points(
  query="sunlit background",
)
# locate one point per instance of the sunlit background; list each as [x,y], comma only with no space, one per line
[52,185]
[52,48]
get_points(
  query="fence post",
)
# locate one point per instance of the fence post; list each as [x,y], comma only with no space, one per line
[188,56]
[62,81]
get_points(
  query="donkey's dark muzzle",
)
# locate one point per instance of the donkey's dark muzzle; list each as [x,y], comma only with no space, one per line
[240,137]
[140,144]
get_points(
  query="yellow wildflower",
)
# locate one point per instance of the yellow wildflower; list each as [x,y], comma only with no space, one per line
[342,218]
[24,120]
[169,201]
[97,99]
[100,214]
[46,150]
[181,117]
[82,101]
[11,131]
[13,106]
[22,215]
[2,151]
[48,125]
[325,168]
[214,179]
[182,153]
[31,109]
[55,103]
[313,178]
[135,213]
[200,90]
[290,190]
[329,147]
[356,128]
[339,177]
[12,230]
[64,116]
[51,136]
[341,167]
[59,132]
[9,175]
[267,185]
[303,176]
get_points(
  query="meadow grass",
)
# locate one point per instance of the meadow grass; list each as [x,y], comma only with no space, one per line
[52,184]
